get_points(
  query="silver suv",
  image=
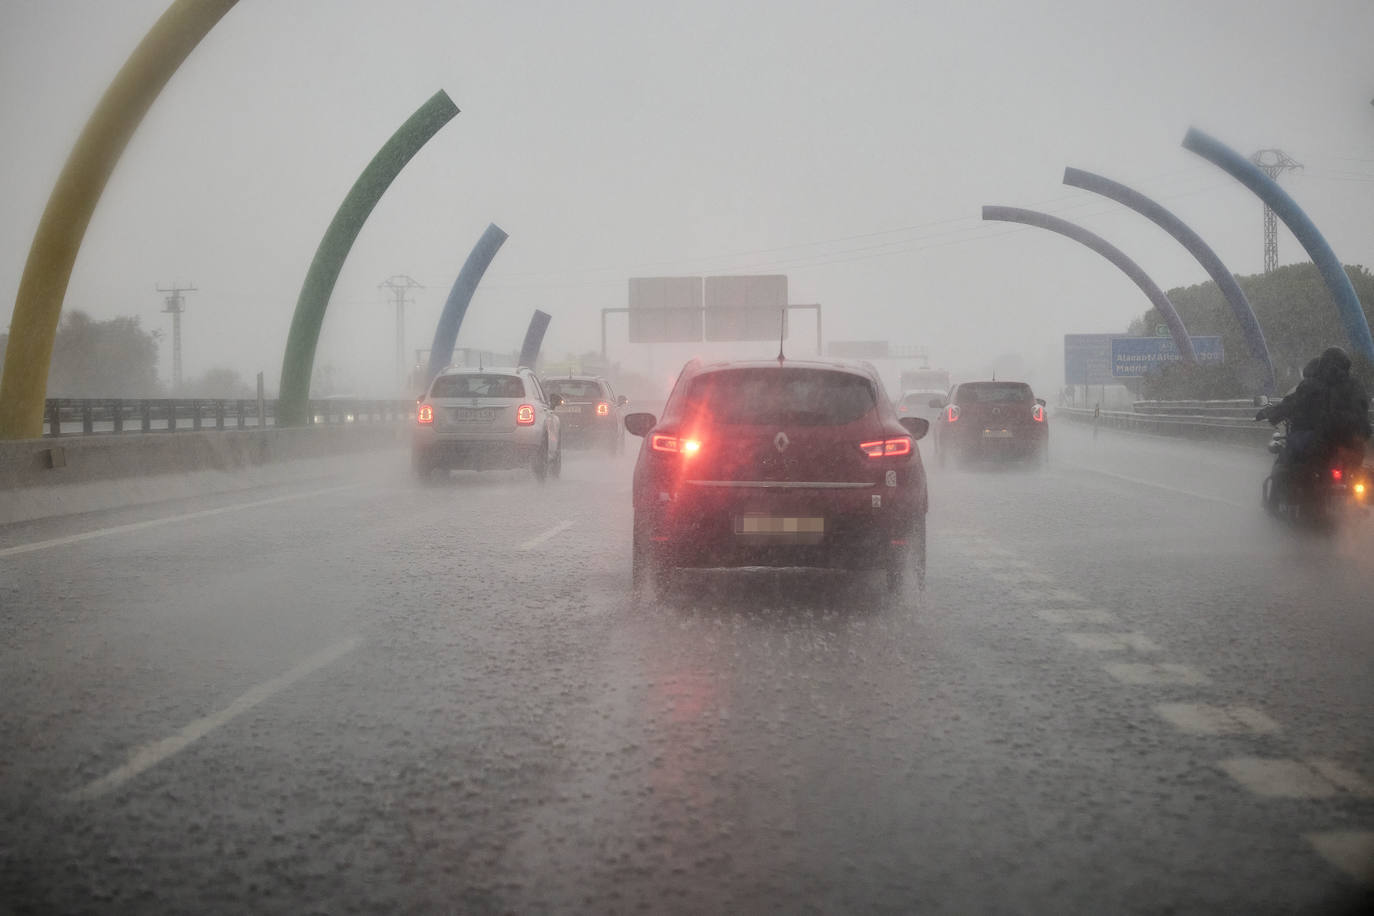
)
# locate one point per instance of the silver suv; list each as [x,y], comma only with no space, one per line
[487,418]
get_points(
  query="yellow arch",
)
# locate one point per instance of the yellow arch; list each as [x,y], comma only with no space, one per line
[43,287]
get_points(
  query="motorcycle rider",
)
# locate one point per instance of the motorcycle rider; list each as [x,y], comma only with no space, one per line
[1327,414]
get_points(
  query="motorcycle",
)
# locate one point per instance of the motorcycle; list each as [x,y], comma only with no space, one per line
[1317,493]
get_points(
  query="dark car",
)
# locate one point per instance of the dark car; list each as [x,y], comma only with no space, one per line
[779,464]
[591,411]
[992,420]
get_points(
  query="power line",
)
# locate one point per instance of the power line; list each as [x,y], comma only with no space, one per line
[399,284]
[174,304]
[1273,162]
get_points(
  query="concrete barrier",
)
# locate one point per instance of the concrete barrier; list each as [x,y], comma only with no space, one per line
[41,478]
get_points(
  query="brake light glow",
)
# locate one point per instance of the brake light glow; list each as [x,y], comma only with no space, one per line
[673,444]
[524,415]
[1336,474]
[603,409]
[425,414]
[952,413]
[887,448]
[1038,413]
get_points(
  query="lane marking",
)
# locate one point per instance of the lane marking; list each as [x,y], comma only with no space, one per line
[1203,719]
[1277,778]
[541,538]
[1019,577]
[1077,615]
[150,755]
[157,522]
[1113,642]
[1164,673]
[1191,494]
[1051,596]
[1352,851]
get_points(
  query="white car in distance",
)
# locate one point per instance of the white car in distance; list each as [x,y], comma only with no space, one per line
[488,418]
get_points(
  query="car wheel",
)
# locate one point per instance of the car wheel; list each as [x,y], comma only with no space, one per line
[895,570]
[539,464]
[648,570]
[556,466]
[420,465]
[918,553]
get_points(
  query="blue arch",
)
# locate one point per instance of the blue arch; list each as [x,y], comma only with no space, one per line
[446,332]
[534,338]
[1268,190]
[1225,281]
[1111,253]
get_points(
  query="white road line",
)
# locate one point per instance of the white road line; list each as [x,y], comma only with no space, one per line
[156,522]
[1296,778]
[1033,595]
[1352,851]
[541,538]
[151,755]
[1078,615]
[1112,642]
[1191,494]
[1165,673]
[1203,719]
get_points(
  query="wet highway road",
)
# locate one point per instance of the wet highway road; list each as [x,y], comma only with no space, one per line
[1122,691]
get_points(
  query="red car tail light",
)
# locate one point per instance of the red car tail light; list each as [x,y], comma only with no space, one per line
[1038,413]
[887,448]
[952,413]
[524,415]
[1336,474]
[425,414]
[603,409]
[687,447]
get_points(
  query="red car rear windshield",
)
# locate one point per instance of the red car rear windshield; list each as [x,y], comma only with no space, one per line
[993,393]
[780,397]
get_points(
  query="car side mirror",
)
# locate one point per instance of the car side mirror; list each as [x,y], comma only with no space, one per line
[917,426]
[640,423]
[937,402]
[555,401]
[1040,401]
[622,400]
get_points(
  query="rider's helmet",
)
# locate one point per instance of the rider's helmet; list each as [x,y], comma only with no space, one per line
[1310,370]
[1333,365]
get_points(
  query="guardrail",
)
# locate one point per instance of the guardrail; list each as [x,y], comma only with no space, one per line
[1215,421]
[118,416]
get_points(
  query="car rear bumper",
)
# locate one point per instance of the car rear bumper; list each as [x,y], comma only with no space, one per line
[840,527]
[474,455]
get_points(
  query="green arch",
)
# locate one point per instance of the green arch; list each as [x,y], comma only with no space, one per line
[43,287]
[299,359]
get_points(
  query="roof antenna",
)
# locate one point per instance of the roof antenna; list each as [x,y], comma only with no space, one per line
[480,367]
[782,331]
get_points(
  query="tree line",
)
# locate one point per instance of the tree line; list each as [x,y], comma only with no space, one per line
[117,358]
[1296,313]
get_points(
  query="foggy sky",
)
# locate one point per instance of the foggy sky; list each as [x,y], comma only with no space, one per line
[849,146]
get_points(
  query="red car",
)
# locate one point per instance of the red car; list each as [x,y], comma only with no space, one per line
[778,463]
[992,420]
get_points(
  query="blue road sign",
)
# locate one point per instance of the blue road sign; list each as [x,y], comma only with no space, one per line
[1088,359]
[1133,357]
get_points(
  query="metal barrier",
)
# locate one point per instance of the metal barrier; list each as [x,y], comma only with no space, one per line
[121,416]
